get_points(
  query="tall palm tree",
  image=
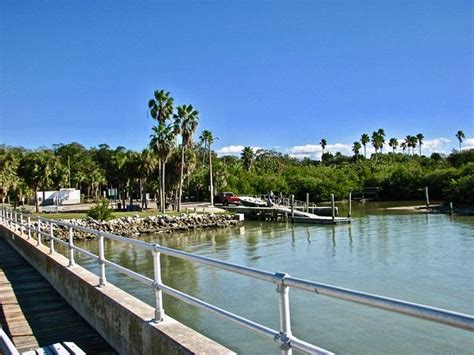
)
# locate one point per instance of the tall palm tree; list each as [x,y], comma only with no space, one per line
[381,138]
[207,139]
[162,143]
[420,138]
[247,156]
[161,108]
[323,145]
[364,139]
[185,122]
[393,142]
[460,136]
[376,141]
[356,148]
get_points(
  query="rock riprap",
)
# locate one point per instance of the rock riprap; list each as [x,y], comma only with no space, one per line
[135,226]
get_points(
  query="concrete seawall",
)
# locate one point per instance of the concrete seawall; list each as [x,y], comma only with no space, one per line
[122,320]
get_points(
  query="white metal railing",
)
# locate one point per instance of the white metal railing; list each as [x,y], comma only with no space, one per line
[16,222]
[6,345]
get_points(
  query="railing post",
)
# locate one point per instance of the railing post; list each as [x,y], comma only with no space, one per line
[102,279]
[51,240]
[159,311]
[15,222]
[284,311]
[38,233]
[70,246]
[333,212]
[29,227]
[22,228]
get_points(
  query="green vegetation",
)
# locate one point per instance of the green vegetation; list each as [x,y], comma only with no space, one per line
[101,211]
[169,171]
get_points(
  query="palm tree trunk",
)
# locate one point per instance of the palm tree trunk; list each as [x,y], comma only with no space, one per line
[180,191]
[36,200]
[158,205]
[365,153]
[163,203]
[211,185]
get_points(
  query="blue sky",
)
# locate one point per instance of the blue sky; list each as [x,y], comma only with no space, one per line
[272,74]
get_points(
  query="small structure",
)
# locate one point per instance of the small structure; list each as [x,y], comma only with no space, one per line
[61,197]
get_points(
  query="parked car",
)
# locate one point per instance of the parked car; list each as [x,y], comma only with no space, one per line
[228,198]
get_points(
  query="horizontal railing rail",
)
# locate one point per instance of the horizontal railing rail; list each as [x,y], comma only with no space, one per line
[17,222]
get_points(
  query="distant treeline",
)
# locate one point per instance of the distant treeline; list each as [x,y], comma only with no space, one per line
[398,176]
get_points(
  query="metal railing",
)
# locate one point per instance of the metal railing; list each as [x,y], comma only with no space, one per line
[6,345]
[287,341]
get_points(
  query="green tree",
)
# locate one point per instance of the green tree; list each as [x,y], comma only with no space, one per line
[161,108]
[460,136]
[364,139]
[186,122]
[162,143]
[356,148]
[420,138]
[323,143]
[247,157]
[207,138]
[393,143]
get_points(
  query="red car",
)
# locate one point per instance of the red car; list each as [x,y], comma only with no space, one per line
[228,198]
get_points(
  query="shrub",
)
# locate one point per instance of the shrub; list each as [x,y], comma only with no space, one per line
[101,211]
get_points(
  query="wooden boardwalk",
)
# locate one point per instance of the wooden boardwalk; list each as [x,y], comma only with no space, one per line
[34,315]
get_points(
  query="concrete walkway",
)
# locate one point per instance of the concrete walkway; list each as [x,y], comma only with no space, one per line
[34,315]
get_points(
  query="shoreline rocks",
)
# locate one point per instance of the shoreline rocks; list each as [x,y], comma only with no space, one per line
[136,226]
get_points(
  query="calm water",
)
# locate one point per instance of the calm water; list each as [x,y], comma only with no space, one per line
[420,258]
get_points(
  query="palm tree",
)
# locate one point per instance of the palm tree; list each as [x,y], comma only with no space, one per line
[162,143]
[161,106]
[323,144]
[393,142]
[207,139]
[377,141]
[381,138]
[364,139]
[161,109]
[146,167]
[356,148]
[403,145]
[247,156]
[420,138]
[460,136]
[186,122]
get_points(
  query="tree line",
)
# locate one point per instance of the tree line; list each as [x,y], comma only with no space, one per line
[174,167]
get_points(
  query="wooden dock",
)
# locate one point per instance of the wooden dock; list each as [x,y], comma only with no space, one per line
[34,315]
[283,213]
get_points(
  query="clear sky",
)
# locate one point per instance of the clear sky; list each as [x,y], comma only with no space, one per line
[273,74]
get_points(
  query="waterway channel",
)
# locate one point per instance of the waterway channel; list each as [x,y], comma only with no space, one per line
[416,257]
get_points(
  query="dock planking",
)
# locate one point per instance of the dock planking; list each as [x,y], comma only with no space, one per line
[34,315]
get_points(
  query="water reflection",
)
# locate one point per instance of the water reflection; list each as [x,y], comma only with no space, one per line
[426,259]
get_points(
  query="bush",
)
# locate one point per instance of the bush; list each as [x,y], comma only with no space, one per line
[101,211]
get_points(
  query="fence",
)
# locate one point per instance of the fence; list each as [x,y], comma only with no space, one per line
[24,224]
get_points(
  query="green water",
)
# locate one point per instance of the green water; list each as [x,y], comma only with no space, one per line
[416,257]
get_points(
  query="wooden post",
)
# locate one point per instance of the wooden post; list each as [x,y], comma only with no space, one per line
[307,202]
[427,196]
[350,205]
[292,203]
[332,207]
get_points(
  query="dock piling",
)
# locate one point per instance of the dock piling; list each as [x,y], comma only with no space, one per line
[349,214]
[427,196]
[332,207]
